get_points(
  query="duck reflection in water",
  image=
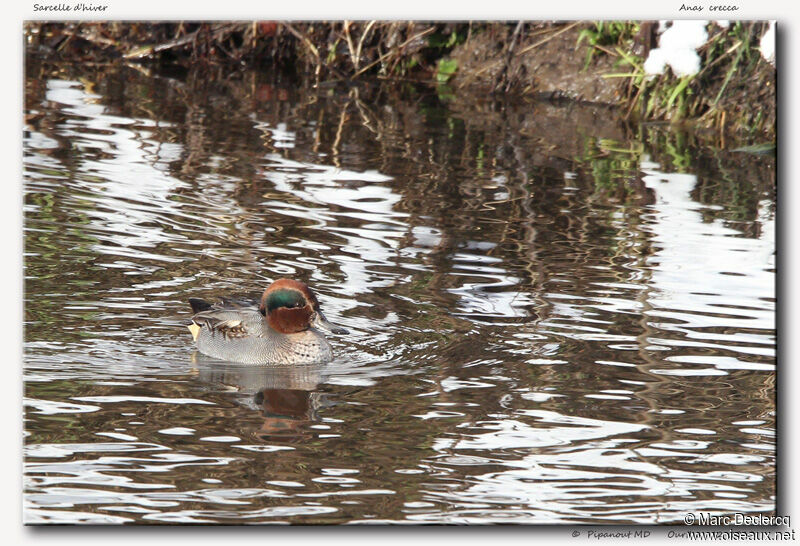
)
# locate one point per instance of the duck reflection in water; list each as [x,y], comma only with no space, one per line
[285,396]
[285,412]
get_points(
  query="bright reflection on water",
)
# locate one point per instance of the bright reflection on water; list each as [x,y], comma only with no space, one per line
[551,321]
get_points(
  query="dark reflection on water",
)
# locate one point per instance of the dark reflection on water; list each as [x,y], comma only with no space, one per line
[552,320]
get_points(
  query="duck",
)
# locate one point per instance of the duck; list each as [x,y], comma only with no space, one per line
[285,328]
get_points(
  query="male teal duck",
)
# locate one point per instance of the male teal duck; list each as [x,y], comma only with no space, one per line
[283,329]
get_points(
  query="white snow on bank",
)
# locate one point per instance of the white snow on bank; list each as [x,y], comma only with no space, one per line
[767,44]
[677,48]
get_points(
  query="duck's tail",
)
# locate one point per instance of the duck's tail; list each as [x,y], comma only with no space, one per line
[199,305]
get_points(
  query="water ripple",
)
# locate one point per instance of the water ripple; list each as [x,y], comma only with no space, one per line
[563,328]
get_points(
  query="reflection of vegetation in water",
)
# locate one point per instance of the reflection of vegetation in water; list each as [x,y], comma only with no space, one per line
[616,172]
[737,197]
[733,183]
[52,218]
[613,167]
[500,165]
[64,427]
[483,180]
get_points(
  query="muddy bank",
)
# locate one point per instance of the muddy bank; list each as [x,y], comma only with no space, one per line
[547,62]
[586,62]
[599,63]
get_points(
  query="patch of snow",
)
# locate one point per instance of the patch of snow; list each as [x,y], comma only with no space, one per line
[767,44]
[677,48]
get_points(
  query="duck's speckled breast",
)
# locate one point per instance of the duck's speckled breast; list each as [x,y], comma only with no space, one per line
[263,345]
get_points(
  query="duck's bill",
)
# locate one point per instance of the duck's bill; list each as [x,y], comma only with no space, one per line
[322,323]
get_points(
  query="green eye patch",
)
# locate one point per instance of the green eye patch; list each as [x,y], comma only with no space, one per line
[285,298]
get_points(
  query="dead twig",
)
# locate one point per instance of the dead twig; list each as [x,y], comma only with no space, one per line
[303,38]
[361,41]
[147,50]
[394,51]
[353,57]
[540,42]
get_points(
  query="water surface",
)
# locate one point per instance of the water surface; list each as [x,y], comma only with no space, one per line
[553,318]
